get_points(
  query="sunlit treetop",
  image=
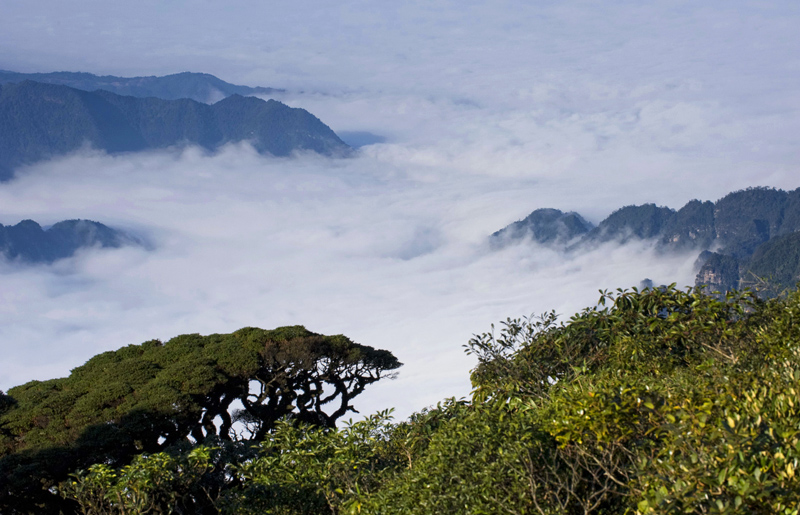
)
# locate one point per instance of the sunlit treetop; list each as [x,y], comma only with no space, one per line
[156,394]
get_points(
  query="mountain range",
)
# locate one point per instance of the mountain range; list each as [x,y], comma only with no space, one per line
[39,121]
[741,239]
[201,87]
[28,242]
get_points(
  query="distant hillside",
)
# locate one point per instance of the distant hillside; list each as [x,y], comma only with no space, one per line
[754,234]
[27,242]
[201,87]
[39,121]
[632,222]
[546,226]
[778,260]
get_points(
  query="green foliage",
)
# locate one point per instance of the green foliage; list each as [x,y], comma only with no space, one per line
[654,401]
[157,483]
[473,462]
[778,260]
[747,218]
[650,332]
[148,398]
[732,453]
[310,470]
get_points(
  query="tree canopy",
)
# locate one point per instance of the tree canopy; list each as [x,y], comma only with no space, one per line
[153,396]
[657,401]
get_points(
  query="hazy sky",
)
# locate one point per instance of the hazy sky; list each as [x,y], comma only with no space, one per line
[488,110]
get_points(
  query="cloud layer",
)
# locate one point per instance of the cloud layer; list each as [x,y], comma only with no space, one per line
[482,113]
[392,256]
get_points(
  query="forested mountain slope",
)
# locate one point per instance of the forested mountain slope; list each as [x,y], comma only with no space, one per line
[27,242]
[39,121]
[734,236]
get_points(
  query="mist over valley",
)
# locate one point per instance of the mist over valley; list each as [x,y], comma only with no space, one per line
[462,124]
[504,238]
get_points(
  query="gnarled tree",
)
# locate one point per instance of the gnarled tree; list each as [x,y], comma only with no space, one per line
[148,397]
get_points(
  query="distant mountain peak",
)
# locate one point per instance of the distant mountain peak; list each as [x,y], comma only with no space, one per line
[39,121]
[546,226]
[753,233]
[28,242]
[201,87]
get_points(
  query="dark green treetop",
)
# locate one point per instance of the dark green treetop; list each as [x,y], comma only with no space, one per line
[654,401]
[188,386]
[193,388]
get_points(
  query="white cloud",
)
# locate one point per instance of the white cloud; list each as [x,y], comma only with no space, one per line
[489,111]
[341,246]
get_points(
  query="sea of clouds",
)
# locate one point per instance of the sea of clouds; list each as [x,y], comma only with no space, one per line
[477,113]
[351,246]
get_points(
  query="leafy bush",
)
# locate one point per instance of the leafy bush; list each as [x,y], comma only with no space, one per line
[654,401]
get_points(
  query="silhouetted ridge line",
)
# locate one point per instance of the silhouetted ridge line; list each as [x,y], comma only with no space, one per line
[40,121]
[741,238]
[27,242]
[201,87]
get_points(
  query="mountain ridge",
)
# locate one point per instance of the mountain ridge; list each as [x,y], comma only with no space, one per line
[742,238]
[201,87]
[28,242]
[41,121]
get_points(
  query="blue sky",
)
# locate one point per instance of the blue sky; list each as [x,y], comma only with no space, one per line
[488,110]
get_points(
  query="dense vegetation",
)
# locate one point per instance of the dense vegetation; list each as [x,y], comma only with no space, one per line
[691,227]
[39,121]
[28,242]
[228,389]
[654,401]
[778,260]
